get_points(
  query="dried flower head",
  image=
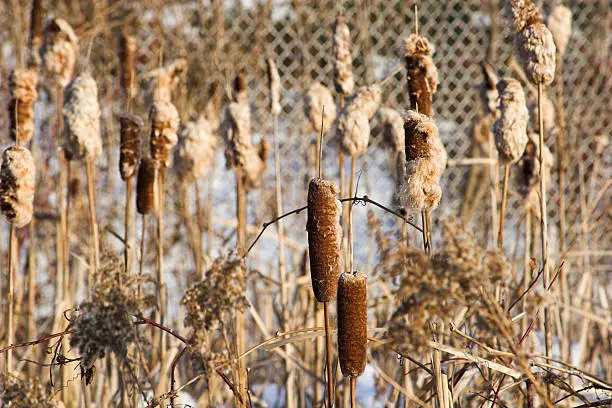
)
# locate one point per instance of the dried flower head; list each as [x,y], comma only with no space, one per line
[511,128]
[26,393]
[353,125]
[104,324]
[145,187]
[162,81]
[212,300]
[537,53]
[421,73]
[195,150]
[274,87]
[17,183]
[391,126]
[129,154]
[59,52]
[519,14]
[22,90]
[559,23]
[127,55]
[436,287]
[341,55]
[425,163]
[316,98]
[82,118]
[352,323]
[164,120]
[324,237]
[527,171]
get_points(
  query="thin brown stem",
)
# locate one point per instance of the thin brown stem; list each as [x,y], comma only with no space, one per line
[10,332]
[161,311]
[142,253]
[239,330]
[350,215]
[94,254]
[328,357]
[502,211]
[352,391]
[128,244]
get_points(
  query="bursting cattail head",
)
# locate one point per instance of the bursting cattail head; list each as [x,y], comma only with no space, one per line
[559,23]
[22,89]
[162,81]
[274,87]
[316,98]
[511,128]
[324,237]
[195,150]
[352,323]
[425,162]
[129,155]
[145,186]
[527,177]
[391,126]
[353,126]
[534,42]
[59,52]
[341,54]
[164,120]
[421,73]
[82,118]
[17,182]
[236,125]
[127,56]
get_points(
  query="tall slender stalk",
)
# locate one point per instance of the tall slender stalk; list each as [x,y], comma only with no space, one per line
[352,391]
[502,211]
[142,253]
[129,227]
[239,329]
[328,357]
[10,332]
[94,249]
[161,312]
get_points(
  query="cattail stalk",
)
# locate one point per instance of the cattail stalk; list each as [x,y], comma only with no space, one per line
[94,255]
[10,331]
[161,312]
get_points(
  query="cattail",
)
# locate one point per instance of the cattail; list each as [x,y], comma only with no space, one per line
[352,323]
[527,177]
[164,120]
[341,54]
[162,81]
[324,237]
[511,128]
[353,127]
[488,91]
[240,89]
[17,182]
[533,40]
[421,73]
[212,109]
[129,156]
[195,150]
[316,98]
[145,186]
[59,52]
[549,114]
[425,163]
[82,118]
[274,86]
[560,25]
[254,164]
[22,89]
[236,124]
[127,54]
[391,128]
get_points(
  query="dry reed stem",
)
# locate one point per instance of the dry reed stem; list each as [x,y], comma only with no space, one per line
[328,357]
[502,210]
[10,295]
[36,33]
[352,323]
[94,248]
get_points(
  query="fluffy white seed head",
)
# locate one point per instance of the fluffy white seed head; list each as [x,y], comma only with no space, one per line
[59,53]
[162,81]
[165,121]
[82,118]
[17,183]
[537,53]
[511,128]
[341,53]
[559,23]
[274,87]
[195,150]
[316,98]
[353,127]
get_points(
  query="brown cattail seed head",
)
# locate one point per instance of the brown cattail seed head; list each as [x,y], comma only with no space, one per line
[162,81]
[421,73]
[425,163]
[145,186]
[511,128]
[59,52]
[527,173]
[560,25]
[82,118]
[17,182]
[195,150]
[164,120]
[36,32]
[353,127]
[235,129]
[316,98]
[22,89]
[324,237]
[129,156]
[274,86]
[352,323]
[127,55]
[341,54]
[537,53]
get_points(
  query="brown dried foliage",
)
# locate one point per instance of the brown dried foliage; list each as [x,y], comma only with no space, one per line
[26,393]
[324,237]
[352,323]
